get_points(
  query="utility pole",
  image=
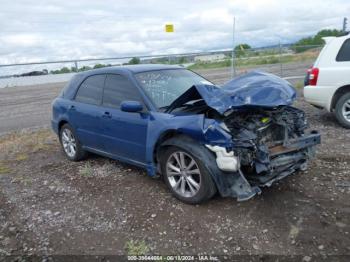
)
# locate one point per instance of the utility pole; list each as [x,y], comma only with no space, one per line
[169,28]
[233,69]
[280,58]
[345,21]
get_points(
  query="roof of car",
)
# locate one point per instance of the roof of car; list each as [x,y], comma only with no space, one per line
[131,68]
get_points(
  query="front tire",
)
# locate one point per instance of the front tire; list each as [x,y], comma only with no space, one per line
[70,144]
[342,110]
[186,176]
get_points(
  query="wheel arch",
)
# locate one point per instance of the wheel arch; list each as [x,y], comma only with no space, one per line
[159,145]
[61,123]
[339,93]
[177,139]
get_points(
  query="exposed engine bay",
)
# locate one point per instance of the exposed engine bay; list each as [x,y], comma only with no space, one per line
[268,141]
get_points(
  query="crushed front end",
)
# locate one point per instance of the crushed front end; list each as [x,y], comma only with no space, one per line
[271,143]
[253,131]
[267,144]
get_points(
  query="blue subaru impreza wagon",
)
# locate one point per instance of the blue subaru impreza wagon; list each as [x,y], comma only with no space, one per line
[201,138]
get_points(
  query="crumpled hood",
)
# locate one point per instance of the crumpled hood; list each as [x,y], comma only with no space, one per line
[255,89]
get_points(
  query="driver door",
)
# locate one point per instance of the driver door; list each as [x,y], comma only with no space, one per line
[124,133]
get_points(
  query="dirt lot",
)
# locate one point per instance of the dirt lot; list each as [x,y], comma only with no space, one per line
[52,206]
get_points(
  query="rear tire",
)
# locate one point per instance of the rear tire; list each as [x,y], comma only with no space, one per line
[70,144]
[342,110]
[199,186]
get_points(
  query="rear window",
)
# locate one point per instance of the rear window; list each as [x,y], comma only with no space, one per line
[344,52]
[90,91]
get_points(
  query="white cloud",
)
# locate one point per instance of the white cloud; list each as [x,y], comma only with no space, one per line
[21,40]
[64,29]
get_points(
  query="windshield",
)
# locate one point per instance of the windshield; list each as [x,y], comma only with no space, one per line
[164,86]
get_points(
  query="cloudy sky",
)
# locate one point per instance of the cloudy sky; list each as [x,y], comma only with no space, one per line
[37,30]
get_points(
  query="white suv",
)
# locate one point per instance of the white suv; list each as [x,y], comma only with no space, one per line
[327,84]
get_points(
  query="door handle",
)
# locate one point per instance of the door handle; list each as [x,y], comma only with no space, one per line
[72,107]
[107,115]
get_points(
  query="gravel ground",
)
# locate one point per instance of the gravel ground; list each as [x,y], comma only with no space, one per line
[50,206]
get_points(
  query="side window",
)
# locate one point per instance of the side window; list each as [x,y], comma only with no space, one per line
[118,89]
[344,52]
[90,91]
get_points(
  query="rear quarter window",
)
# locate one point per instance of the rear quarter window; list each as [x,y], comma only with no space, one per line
[70,87]
[90,91]
[344,52]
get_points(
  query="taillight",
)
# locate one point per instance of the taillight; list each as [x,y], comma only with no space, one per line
[313,75]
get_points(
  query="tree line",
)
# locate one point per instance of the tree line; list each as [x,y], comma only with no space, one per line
[73,69]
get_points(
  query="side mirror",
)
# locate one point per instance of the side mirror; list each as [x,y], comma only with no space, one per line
[131,106]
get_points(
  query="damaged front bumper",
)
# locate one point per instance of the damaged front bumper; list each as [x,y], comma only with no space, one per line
[288,158]
[283,159]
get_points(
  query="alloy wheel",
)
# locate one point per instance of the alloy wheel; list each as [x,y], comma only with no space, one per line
[183,174]
[346,110]
[69,142]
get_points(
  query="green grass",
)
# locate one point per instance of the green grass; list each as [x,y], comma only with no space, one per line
[86,170]
[4,169]
[239,62]
[21,157]
[299,85]
[218,64]
[259,60]
[18,146]
[136,248]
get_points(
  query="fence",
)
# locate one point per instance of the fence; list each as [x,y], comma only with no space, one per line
[286,61]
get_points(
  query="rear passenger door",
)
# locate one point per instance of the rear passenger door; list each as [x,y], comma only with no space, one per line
[85,112]
[124,132]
